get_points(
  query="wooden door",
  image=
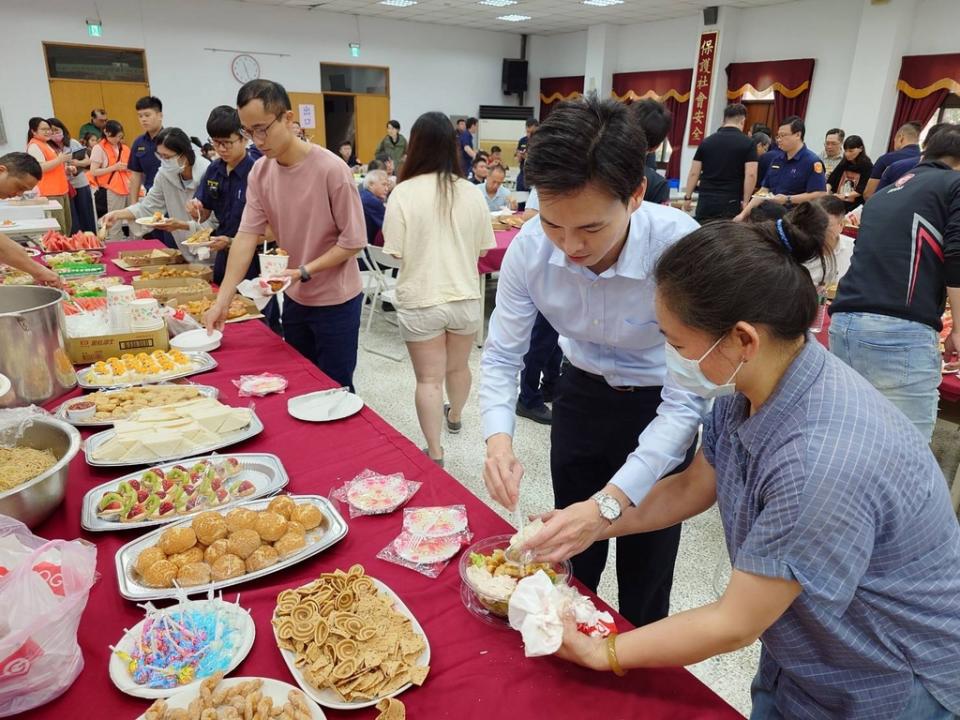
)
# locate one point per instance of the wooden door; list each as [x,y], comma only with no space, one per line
[73,100]
[317,135]
[759,112]
[120,100]
[373,113]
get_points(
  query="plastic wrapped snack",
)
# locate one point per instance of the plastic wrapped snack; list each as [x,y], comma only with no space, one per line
[371,493]
[260,385]
[431,537]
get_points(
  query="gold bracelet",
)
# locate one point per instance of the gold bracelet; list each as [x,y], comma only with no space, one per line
[612,655]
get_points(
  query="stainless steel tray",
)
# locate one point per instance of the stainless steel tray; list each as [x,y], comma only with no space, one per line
[254,428]
[61,414]
[202,362]
[334,531]
[265,471]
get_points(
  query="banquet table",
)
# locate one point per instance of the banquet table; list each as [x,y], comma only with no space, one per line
[477,671]
[490,263]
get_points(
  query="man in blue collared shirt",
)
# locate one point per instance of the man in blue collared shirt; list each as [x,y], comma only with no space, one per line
[586,264]
[467,143]
[796,173]
[906,144]
[144,162]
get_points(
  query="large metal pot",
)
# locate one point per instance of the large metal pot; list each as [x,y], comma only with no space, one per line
[32,351]
[34,500]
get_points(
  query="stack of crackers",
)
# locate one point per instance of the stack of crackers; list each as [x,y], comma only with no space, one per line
[348,637]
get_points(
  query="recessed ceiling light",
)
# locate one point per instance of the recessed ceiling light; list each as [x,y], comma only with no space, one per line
[497,3]
[602,3]
[398,3]
[514,18]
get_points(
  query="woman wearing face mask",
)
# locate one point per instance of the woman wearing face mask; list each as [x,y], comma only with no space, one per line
[181,167]
[54,184]
[845,548]
[850,176]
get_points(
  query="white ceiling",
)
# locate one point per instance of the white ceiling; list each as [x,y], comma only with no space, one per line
[547,17]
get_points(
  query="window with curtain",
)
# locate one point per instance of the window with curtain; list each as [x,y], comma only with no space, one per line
[786,82]
[924,87]
[557,89]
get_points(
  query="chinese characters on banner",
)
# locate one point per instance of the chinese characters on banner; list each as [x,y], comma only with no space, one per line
[703,79]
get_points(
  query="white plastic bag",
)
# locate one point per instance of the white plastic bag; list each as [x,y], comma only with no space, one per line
[43,591]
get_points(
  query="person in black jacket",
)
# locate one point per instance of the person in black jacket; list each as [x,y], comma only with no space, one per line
[655,120]
[886,318]
[849,178]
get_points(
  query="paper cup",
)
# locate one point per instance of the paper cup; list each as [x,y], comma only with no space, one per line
[145,314]
[273,265]
[120,295]
[119,317]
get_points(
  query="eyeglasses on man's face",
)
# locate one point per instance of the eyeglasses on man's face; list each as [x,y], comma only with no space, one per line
[228,144]
[258,133]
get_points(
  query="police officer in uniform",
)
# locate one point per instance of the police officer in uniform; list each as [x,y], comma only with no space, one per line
[796,174]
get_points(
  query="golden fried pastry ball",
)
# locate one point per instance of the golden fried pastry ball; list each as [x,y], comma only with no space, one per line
[176,540]
[147,558]
[296,528]
[262,557]
[282,504]
[226,567]
[308,515]
[195,573]
[241,519]
[217,549]
[161,574]
[270,525]
[193,555]
[290,543]
[242,543]
[209,527]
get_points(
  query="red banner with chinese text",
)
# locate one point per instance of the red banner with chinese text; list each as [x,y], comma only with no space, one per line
[703,80]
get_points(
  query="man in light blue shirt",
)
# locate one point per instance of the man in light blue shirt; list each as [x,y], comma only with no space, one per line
[496,195]
[586,263]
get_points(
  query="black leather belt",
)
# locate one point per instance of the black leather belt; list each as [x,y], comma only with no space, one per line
[601,379]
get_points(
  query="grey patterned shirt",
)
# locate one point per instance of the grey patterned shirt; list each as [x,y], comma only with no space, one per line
[828,484]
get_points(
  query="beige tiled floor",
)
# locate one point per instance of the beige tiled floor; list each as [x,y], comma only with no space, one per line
[702,565]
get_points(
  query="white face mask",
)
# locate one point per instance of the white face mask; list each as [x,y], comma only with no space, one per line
[690,377]
[172,164]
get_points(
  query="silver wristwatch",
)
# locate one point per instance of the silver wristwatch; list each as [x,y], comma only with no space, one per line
[609,507]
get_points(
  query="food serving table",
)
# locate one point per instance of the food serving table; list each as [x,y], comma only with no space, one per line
[490,263]
[477,671]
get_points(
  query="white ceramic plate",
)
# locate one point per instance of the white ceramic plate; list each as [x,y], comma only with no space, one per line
[273,689]
[245,632]
[324,406]
[329,698]
[150,222]
[197,341]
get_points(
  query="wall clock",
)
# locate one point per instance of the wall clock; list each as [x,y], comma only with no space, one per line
[245,68]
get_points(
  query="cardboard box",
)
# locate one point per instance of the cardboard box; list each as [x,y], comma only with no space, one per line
[204,272]
[165,288]
[252,312]
[133,259]
[87,350]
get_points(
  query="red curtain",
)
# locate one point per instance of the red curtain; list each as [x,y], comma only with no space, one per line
[790,80]
[670,87]
[557,89]
[924,83]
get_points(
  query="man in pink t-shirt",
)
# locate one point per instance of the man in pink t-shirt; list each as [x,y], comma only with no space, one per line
[307,197]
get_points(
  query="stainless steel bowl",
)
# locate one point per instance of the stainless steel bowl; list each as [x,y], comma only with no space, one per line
[35,499]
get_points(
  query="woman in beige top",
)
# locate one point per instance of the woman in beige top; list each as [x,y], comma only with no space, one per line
[438,225]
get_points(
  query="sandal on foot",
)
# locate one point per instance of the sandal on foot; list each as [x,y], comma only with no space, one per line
[452,427]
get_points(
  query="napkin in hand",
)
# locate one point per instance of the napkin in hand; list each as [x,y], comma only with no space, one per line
[251,289]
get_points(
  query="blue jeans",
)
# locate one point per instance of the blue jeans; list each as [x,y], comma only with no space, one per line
[900,358]
[327,336]
[542,359]
[921,705]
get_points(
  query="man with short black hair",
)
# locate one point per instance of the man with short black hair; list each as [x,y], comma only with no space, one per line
[19,173]
[887,316]
[796,172]
[98,118]
[832,149]
[906,144]
[765,153]
[393,144]
[467,142]
[144,163]
[388,164]
[725,169]
[480,171]
[306,195]
[900,168]
[521,154]
[655,120]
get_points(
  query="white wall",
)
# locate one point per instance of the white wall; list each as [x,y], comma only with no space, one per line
[431,67]
[935,28]
[663,45]
[554,56]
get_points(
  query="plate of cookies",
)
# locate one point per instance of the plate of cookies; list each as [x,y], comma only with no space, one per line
[218,549]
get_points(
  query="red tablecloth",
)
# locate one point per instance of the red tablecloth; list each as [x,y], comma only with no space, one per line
[477,671]
[949,386]
[491,262]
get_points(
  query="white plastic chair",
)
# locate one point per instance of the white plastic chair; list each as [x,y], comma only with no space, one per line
[379,287]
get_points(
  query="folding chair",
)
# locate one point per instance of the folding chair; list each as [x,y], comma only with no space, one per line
[379,287]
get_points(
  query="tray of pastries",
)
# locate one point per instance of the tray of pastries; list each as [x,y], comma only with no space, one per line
[108,406]
[142,369]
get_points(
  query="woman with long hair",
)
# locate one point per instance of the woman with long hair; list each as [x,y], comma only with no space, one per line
[54,184]
[81,202]
[438,225]
[843,540]
[108,163]
[181,167]
[849,178]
